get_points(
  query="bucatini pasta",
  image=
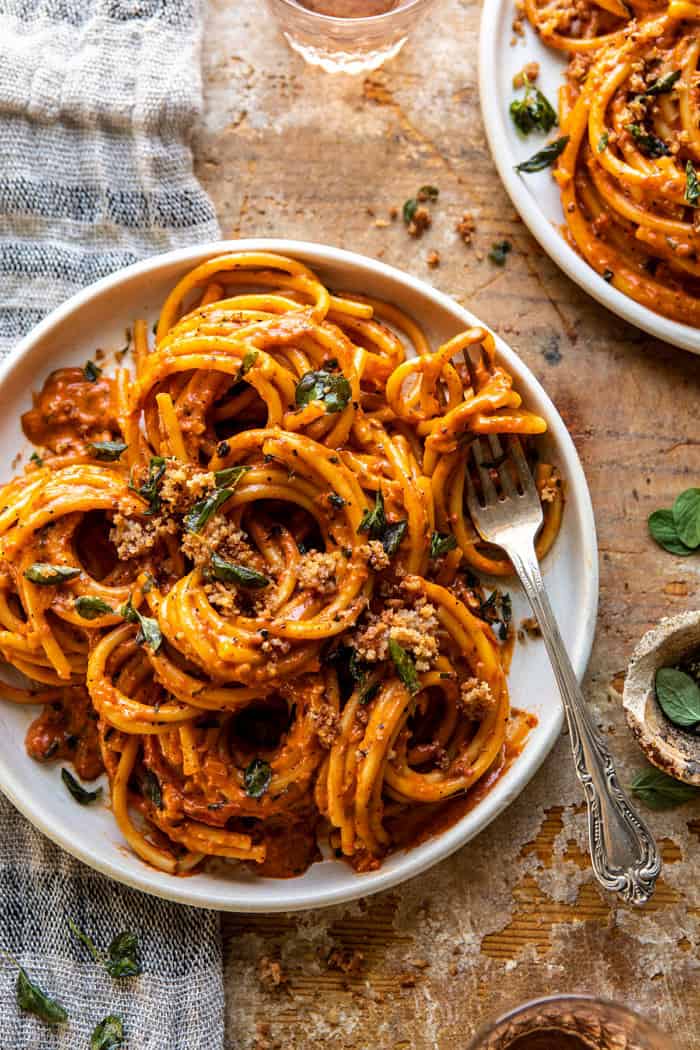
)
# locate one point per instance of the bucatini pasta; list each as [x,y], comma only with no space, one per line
[240,577]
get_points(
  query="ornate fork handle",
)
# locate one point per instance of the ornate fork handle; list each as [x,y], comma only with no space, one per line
[623,851]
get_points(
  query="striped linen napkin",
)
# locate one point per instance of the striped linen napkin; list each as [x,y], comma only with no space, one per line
[98,101]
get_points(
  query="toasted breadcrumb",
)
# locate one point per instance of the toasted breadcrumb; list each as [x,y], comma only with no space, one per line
[420,222]
[465,227]
[550,490]
[413,628]
[326,723]
[221,597]
[529,73]
[270,973]
[134,537]
[375,554]
[433,259]
[317,571]
[475,698]
[220,535]
[529,626]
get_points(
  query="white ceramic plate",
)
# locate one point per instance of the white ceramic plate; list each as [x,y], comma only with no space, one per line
[97,317]
[536,197]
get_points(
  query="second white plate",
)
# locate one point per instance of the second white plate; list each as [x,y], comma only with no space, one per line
[536,197]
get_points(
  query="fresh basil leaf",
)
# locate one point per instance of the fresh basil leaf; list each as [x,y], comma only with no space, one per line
[257,777]
[602,142]
[151,789]
[533,111]
[36,458]
[374,521]
[50,575]
[89,607]
[79,793]
[31,998]
[405,667]
[87,941]
[149,632]
[148,491]
[228,572]
[108,1034]
[499,252]
[351,671]
[663,85]
[544,157]
[649,144]
[686,517]
[441,543]
[393,533]
[678,696]
[229,477]
[332,388]
[659,791]
[123,956]
[662,528]
[249,359]
[107,450]
[202,511]
[92,371]
[692,185]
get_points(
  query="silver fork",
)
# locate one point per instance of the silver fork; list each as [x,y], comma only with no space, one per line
[623,851]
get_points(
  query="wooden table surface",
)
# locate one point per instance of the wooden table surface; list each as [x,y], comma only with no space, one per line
[289,151]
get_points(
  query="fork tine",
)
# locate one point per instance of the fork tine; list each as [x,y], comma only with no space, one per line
[524,473]
[503,472]
[487,486]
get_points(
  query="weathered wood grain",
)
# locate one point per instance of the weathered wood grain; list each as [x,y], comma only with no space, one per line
[289,151]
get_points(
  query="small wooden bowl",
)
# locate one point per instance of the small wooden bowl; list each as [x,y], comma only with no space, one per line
[668,747]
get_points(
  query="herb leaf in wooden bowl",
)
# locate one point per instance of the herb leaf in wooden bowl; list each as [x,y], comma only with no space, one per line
[678,695]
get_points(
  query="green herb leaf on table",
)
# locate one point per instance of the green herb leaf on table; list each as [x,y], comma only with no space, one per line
[31,998]
[123,956]
[409,210]
[662,528]
[678,695]
[89,607]
[87,941]
[659,791]
[92,372]
[229,572]
[692,185]
[47,575]
[149,632]
[499,252]
[533,111]
[374,521]
[108,1034]
[79,793]
[405,667]
[331,388]
[392,536]
[650,145]
[257,777]
[441,543]
[686,517]
[108,451]
[544,157]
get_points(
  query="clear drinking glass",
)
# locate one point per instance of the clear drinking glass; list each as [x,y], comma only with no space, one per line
[571,1022]
[328,33]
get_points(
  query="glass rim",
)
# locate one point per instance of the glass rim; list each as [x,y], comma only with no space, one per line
[562,997]
[364,20]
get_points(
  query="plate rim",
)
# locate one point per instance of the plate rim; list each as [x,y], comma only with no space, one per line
[440,846]
[494,118]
